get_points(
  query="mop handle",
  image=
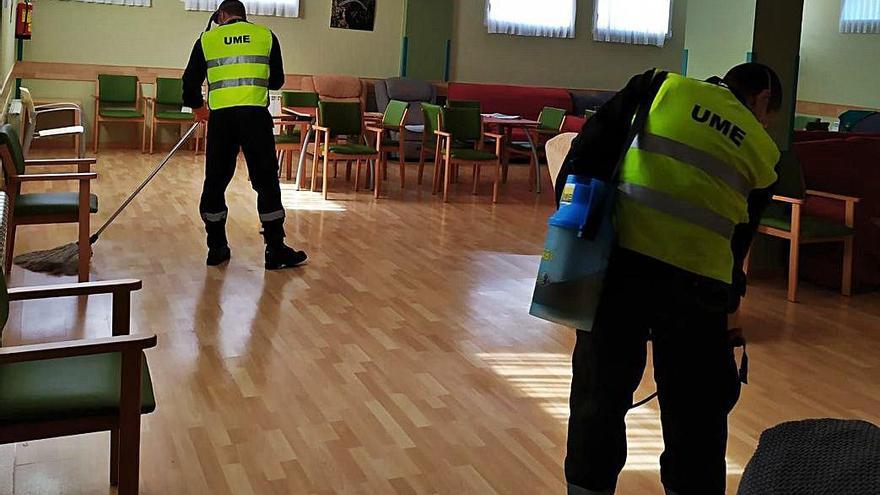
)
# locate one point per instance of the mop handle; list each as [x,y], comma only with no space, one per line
[146,181]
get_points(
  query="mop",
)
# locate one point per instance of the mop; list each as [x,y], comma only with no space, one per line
[64,260]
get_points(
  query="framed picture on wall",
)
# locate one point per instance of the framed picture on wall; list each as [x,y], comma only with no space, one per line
[353,14]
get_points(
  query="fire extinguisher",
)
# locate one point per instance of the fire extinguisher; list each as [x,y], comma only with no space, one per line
[23,19]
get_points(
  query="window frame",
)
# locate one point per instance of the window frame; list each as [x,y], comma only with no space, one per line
[619,35]
[530,30]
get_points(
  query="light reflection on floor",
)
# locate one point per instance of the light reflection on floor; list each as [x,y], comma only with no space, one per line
[546,378]
[306,200]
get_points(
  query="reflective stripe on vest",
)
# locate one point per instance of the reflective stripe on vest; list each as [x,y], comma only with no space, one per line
[686,179]
[237,56]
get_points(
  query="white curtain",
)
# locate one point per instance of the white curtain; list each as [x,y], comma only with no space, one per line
[280,8]
[860,16]
[639,22]
[548,18]
[135,3]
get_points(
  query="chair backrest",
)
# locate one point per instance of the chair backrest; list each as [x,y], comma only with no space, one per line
[850,118]
[551,119]
[463,104]
[557,149]
[869,124]
[342,118]
[169,91]
[395,113]
[10,151]
[791,177]
[28,121]
[117,89]
[432,114]
[336,88]
[299,99]
[465,124]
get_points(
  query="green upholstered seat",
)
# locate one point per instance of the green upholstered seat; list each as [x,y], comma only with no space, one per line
[292,138]
[352,149]
[51,204]
[172,115]
[472,155]
[66,388]
[121,113]
[778,216]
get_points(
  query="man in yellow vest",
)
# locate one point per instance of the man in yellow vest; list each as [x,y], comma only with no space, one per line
[691,189]
[242,62]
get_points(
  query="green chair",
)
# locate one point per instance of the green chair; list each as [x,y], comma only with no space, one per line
[82,386]
[784,219]
[339,132]
[550,122]
[46,207]
[293,127]
[166,107]
[432,116]
[118,99]
[459,126]
[464,104]
[393,122]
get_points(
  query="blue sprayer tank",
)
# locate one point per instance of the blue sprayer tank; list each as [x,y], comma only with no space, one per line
[580,236]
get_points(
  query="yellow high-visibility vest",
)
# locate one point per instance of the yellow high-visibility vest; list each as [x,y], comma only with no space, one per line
[685,182]
[238,65]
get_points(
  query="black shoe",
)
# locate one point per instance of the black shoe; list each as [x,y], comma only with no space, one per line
[278,257]
[218,256]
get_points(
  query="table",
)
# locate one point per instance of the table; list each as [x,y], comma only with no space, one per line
[526,125]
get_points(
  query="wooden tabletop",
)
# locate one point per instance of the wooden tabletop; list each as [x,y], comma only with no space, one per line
[510,122]
[300,111]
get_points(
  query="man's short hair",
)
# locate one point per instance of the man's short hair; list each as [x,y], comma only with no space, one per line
[233,8]
[750,79]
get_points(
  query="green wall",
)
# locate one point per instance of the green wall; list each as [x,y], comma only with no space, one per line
[837,68]
[719,35]
[576,63]
[163,35]
[428,26]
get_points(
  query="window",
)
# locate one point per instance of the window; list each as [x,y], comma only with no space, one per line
[280,8]
[860,16]
[640,22]
[548,18]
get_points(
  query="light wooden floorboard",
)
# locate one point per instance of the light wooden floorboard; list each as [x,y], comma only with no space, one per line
[401,359]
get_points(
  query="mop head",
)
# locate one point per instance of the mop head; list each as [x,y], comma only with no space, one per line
[63,260]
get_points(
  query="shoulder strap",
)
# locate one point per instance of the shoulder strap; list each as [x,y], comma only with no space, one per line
[648,88]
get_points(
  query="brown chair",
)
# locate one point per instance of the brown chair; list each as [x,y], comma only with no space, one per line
[337,88]
[784,219]
[49,207]
[118,99]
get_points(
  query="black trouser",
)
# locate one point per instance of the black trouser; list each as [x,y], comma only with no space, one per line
[249,129]
[694,367]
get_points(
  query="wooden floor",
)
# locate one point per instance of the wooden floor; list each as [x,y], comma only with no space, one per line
[400,360]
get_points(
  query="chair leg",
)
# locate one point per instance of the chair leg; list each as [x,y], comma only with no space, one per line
[326,176]
[793,265]
[144,137]
[498,179]
[114,457]
[446,178]
[377,177]
[533,171]
[130,425]
[421,162]
[335,169]
[347,170]
[152,136]
[315,163]
[290,164]
[846,283]
[97,132]
[357,176]
[476,179]
[435,185]
[402,159]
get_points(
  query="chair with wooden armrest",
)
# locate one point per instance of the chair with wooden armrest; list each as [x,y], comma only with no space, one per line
[393,121]
[118,99]
[166,108]
[557,149]
[31,113]
[430,140]
[462,125]
[47,207]
[337,120]
[784,219]
[550,123]
[293,128]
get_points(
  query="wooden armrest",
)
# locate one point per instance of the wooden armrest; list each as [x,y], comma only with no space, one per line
[57,104]
[38,352]
[59,109]
[320,128]
[839,197]
[377,130]
[493,135]
[443,134]
[57,177]
[786,199]
[62,161]
[80,289]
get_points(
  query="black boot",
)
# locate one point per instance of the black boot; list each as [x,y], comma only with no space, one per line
[279,256]
[218,255]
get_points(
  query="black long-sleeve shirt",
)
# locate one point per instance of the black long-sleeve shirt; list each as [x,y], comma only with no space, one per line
[600,145]
[197,70]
